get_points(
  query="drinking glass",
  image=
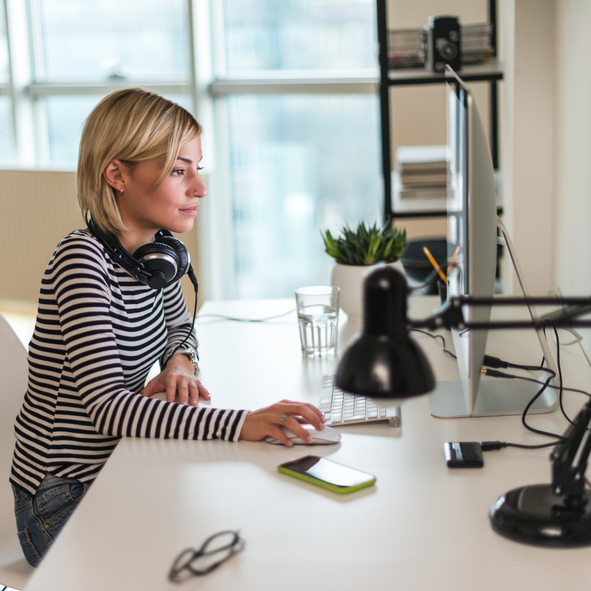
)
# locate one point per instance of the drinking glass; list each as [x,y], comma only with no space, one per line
[318,318]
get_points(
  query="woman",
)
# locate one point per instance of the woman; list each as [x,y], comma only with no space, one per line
[103,320]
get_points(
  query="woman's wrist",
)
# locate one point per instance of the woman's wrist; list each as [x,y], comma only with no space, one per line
[182,361]
[187,352]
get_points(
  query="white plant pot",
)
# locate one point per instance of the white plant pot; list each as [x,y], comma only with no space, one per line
[350,279]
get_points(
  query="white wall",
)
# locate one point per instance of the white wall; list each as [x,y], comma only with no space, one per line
[38,208]
[573,143]
[527,139]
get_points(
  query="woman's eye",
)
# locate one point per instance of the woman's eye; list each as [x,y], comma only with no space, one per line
[178,171]
[200,168]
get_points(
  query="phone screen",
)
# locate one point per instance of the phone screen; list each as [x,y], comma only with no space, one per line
[329,472]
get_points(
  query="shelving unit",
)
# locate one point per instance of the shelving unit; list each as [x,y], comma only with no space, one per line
[490,73]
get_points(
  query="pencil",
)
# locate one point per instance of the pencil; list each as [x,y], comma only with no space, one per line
[434,263]
[453,259]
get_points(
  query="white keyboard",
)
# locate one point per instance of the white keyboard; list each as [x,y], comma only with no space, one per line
[341,408]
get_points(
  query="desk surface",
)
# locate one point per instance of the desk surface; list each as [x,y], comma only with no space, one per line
[423,526]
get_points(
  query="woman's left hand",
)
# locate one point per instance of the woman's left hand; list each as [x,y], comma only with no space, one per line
[179,382]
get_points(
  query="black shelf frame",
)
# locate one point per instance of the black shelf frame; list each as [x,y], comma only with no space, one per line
[491,73]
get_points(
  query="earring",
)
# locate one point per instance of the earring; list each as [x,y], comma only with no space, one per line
[120,191]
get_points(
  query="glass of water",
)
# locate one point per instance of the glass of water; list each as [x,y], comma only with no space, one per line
[318,318]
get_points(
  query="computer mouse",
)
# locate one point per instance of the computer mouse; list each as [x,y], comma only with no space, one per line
[327,436]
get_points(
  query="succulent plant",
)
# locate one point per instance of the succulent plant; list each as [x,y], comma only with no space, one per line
[366,245]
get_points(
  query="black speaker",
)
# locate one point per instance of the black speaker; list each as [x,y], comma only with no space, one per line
[442,43]
[156,264]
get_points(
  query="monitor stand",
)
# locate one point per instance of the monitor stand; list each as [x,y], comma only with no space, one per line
[495,397]
[472,397]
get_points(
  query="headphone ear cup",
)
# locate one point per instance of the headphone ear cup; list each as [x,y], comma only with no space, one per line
[181,252]
[160,261]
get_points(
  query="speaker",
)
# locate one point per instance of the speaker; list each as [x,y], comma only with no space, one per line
[156,264]
[442,43]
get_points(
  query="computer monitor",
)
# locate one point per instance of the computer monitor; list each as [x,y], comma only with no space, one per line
[472,224]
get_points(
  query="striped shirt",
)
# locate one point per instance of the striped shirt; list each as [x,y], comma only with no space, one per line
[97,335]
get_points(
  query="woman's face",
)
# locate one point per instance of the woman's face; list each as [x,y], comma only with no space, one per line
[172,206]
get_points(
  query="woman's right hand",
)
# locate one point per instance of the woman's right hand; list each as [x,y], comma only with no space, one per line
[267,421]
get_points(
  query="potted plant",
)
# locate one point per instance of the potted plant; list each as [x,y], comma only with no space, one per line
[356,252]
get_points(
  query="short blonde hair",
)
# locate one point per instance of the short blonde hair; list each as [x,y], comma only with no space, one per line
[132,125]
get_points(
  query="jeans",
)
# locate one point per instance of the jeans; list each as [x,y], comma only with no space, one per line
[40,518]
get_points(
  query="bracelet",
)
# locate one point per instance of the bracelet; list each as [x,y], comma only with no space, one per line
[187,352]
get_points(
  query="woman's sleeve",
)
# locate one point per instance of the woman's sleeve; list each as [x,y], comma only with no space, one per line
[81,283]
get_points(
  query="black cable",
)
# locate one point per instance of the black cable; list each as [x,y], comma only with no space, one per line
[545,385]
[496,362]
[558,364]
[193,279]
[499,374]
[494,445]
[435,337]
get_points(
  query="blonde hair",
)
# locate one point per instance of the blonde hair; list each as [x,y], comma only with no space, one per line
[132,125]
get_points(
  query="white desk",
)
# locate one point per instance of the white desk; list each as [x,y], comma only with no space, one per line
[423,526]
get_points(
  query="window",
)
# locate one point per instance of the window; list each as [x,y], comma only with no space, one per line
[6,138]
[285,90]
[299,108]
[80,52]
[299,35]
[135,39]
[298,164]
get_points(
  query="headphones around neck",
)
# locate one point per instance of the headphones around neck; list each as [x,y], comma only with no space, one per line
[156,264]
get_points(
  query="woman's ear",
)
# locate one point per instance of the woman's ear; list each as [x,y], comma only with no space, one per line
[114,175]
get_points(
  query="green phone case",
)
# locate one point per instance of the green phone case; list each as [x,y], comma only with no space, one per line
[341,490]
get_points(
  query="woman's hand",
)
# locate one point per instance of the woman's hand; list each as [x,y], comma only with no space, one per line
[179,382]
[267,421]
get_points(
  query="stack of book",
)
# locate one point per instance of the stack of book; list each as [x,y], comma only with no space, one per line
[406,47]
[421,177]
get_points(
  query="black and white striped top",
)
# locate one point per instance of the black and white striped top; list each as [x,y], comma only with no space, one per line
[98,333]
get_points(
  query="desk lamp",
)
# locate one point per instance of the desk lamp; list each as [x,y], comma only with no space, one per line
[385,362]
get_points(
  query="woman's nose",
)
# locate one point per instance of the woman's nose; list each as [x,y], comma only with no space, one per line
[199,188]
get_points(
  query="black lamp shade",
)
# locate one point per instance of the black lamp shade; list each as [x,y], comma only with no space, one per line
[385,362]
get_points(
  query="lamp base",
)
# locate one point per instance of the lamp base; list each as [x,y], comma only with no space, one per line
[539,516]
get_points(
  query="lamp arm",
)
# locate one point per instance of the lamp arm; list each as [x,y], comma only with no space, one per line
[451,313]
[569,459]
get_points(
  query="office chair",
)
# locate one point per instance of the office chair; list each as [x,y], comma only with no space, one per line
[14,569]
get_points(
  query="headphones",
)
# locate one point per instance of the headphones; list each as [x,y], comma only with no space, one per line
[156,264]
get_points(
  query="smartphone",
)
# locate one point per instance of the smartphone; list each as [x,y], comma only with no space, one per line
[327,474]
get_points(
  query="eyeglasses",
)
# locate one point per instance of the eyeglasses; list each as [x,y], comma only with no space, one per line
[213,552]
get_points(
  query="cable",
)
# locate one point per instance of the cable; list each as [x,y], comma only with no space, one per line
[544,385]
[494,445]
[234,319]
[193,279]
[435,337]
[499,374]
[558,365]
[426,283]
[496,362]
